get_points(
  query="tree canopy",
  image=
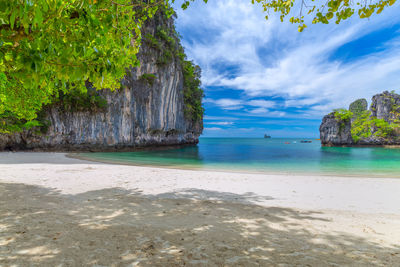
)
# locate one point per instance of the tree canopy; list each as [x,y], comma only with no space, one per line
[50,47]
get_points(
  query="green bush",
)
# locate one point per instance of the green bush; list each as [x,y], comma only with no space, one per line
[358,106]
[343,115]
[149,78]
[366,126]
[9,123]
[361,126]
[77,100]
[152,41]
[193,94]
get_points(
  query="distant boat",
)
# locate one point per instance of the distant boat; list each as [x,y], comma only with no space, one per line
[305,141]
[267,136]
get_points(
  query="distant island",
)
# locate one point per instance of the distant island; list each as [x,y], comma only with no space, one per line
[267,136]
[359,126]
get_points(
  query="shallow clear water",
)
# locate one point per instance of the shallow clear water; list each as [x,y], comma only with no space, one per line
[267,155]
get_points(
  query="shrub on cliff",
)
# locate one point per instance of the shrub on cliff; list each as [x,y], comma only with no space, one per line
[362,126]
[365,126]
[342,115]
[358,106]
[192,91]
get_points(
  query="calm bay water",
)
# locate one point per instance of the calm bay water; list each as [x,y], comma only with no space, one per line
[267,155]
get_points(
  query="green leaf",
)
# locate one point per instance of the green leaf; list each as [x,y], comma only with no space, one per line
[12,18]
[38,16]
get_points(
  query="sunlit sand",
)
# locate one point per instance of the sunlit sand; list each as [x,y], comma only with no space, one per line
[56,210]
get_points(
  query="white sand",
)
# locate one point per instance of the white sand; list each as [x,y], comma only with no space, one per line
[57,210]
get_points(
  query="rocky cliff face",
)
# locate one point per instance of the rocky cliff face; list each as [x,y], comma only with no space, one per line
[334,132]
[380,125]
[147,110]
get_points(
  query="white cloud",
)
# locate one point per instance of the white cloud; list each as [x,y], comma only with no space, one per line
[226,123]
[274,60]
[207,117]
[261,103]
[259,111]
[212,129]
[229,104]
[263,112]
[235,104]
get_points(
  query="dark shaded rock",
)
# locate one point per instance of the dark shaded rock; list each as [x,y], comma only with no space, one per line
[334,132]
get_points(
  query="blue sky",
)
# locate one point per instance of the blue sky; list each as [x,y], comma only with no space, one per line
[264,77]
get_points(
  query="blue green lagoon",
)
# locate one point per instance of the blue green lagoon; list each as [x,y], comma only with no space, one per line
[276,155]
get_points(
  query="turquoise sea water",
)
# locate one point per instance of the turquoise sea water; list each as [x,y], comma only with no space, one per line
[267,156]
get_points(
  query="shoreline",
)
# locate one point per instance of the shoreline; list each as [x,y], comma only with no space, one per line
[56,210]
[75,155]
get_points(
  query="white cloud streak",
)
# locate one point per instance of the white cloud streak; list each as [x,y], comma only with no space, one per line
[235,104]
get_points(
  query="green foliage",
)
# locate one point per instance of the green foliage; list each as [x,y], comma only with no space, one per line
[365,126]
[361,126]
[358,106]
[9,123]
[165,57]
[164,35]
[165,41]
[383,128]
[343,115]
[152,41]
[77,100]
[48,46]
[149,78]
[193,94]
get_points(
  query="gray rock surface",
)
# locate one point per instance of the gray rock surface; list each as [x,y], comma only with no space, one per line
[139,114]
[334,132]
[385,106]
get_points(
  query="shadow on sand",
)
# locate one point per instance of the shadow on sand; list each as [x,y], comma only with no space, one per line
[115,227]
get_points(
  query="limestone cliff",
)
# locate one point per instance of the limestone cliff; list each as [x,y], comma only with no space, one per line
[334,132]
[149,108]
[380,125]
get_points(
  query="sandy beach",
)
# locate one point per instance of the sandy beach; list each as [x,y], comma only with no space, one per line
[59,211]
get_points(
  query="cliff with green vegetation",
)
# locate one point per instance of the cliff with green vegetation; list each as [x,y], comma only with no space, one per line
[358,126]
[159,103]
